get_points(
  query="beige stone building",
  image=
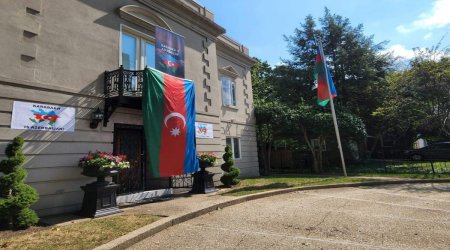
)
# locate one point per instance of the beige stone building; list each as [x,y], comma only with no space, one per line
[67,52]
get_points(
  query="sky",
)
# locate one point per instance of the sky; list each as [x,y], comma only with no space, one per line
[261,24]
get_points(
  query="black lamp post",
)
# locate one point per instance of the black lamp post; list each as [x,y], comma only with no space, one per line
[96,118]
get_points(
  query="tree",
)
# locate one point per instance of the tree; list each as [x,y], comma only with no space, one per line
[229,178]
[269,111]
[15,196]
[285,104]
[357,66]
[270,126]
[311,122]
[418,100]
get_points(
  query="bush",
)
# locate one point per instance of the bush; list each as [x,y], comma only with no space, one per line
[15,196]
[231,172]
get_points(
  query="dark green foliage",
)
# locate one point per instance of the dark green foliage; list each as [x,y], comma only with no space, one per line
[25,218]
[229,178]
[417,101]
[15,196]
[286,107]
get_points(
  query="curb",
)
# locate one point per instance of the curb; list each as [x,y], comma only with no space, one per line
[158,226]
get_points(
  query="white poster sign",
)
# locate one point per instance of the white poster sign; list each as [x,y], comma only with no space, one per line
[204,130]
[37,116]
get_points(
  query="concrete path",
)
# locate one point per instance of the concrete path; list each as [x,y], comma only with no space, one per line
[408,216]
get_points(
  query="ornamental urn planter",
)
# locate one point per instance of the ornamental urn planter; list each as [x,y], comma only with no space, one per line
[203,180]
[99,196]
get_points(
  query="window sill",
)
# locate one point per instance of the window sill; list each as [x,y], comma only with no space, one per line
[230,107]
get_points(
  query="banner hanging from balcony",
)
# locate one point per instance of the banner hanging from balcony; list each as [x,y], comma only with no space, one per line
[168,106]
[169,52]
[38,116]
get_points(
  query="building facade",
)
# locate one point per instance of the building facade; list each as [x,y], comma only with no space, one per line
[69,52]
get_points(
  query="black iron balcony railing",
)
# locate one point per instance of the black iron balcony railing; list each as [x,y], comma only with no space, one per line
[123,88]
[122,82]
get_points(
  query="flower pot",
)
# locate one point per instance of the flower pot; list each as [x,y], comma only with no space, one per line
[204,164]
[99,173]
[203,180]
[99,196]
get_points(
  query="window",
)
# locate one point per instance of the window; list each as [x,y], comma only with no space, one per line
[228,92]
[235,145]
[137,50]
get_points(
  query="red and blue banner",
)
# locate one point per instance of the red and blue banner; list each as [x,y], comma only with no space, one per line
[168,105]
[169,52]
[322,87]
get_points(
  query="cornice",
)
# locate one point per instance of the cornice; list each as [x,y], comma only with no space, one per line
[229,71]
[233,53]
[146,19]
[183,14]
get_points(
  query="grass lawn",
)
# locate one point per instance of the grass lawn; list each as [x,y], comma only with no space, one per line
[405,175]
[81,235]
[260,184]
[402,167]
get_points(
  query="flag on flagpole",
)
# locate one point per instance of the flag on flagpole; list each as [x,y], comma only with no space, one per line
[322,86]
[168,105]
[326,94]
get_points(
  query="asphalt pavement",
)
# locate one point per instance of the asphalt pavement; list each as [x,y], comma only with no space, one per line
[406,216]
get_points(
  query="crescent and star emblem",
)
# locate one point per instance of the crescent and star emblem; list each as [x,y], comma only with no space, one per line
[175,131]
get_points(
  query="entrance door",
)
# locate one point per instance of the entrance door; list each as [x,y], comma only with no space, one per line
[129,141]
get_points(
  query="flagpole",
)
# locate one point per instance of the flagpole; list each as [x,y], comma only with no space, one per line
[336,128]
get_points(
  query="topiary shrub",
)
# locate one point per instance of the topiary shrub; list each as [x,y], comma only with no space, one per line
[15,196]
[231,172]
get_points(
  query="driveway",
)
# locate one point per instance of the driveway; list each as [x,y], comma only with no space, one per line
[410,216]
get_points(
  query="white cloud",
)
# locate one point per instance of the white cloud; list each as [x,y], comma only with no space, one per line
[438,17]
[403,29]
[399,50]
[428,36]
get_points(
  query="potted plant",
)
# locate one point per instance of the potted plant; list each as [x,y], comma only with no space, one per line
[203,180]
[206,160]
[101,164]
[100,196]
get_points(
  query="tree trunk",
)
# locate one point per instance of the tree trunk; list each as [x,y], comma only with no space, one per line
[374,146]
[320,155]
[269,152]
[265,153]
[316,167]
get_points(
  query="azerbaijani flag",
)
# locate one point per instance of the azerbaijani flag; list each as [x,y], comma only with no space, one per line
[319,76]
[168,104]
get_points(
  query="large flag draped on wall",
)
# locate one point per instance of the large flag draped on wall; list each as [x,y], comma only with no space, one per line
[168,104]
[319,76]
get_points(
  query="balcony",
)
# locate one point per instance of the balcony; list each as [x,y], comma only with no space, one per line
[123,88]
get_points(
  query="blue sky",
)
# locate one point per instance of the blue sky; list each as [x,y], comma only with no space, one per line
[261,24]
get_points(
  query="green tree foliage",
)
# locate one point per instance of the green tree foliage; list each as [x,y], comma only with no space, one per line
[418,100]
[229,178]
[15,196]
[357,66]
[270,112]
[285,102]
[311,122]
[271,125]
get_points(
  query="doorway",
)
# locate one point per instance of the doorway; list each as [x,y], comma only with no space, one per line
[129,141]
